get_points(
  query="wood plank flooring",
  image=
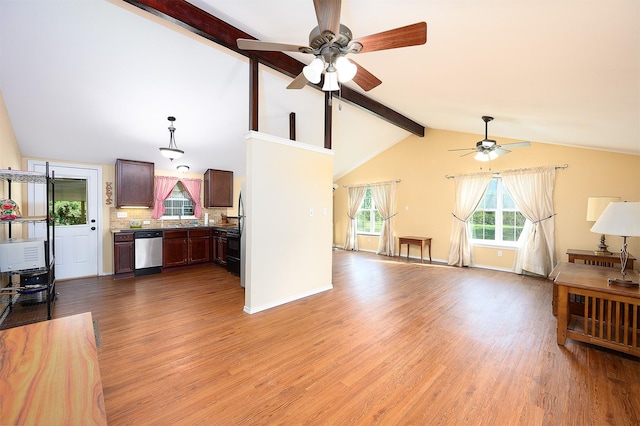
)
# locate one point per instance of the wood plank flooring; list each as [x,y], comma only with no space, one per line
[394,342]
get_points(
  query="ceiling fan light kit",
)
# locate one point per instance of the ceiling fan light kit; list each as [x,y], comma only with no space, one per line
[488,149]
[331,41]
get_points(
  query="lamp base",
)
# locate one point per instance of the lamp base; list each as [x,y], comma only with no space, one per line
[602,248]
[622,282]
[602,252]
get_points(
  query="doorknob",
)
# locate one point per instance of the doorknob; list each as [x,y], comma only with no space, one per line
[93,228]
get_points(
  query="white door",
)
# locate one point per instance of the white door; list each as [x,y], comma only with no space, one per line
[77,239]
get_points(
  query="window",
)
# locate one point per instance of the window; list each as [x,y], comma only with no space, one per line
[368,219]
[71,202]
[178,204]
[496,219]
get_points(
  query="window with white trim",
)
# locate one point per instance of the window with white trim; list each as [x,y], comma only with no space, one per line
[368,220]
[178,204]
[496,219]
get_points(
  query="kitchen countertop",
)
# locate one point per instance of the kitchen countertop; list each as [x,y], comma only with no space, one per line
[173,228]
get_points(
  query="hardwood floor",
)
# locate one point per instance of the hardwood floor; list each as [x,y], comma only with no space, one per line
[393,343]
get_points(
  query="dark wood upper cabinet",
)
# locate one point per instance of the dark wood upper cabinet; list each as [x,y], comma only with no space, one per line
[218,188]
[134,183]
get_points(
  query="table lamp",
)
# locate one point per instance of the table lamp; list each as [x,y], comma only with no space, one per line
[595,207]
[621,219]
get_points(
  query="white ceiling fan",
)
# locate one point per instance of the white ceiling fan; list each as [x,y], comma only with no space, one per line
[487,149]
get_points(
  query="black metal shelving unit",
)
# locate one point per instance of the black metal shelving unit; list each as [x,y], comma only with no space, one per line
[27,295]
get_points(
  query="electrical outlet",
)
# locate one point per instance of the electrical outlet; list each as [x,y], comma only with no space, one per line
[121,215]
[499,253]
[146,222]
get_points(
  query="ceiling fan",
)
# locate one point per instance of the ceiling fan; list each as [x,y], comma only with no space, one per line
[487,149]
[330,42]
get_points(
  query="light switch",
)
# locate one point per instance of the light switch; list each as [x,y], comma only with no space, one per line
[121,215]
[310,212]
[324,211]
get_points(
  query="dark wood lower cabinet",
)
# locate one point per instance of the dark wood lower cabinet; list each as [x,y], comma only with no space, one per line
[182,247]
[175,248]
[220,244]
[199,243]
[123,255]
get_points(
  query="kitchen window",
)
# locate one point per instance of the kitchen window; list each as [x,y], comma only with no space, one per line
[178,204]
[369,221]
[496,219]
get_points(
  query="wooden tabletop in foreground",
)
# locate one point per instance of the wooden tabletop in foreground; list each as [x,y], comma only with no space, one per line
[49,374]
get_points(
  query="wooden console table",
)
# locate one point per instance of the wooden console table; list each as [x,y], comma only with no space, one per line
[611,314]
[590,258]
[50,374]
[418,241]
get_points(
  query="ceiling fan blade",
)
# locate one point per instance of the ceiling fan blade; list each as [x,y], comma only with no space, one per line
[464,149]
[516,144]
[364,78]
[299,82]
[501,151]
[249,44]
[464,155]
[328,14]
[411,35]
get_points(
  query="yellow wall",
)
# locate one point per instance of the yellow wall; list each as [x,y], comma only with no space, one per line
[425,198]
[9,158]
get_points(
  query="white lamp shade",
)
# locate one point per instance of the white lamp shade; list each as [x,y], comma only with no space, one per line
[486,156]
[330,82]
[313,71]
[346,69]
[596,205]
[619,218]
[171,153]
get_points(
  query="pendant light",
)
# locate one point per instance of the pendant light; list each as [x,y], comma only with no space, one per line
[172,151]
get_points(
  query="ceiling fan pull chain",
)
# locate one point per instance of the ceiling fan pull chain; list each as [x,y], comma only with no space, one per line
[340,97]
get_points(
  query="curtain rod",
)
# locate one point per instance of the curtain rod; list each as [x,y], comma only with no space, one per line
[498,173]
[371,184]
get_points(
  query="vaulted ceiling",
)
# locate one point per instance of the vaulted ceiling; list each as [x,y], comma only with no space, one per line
[95,80]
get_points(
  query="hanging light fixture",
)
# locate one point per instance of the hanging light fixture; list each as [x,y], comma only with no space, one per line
[172,151]
[183,168]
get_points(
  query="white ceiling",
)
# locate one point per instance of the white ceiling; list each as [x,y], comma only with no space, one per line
[94,80]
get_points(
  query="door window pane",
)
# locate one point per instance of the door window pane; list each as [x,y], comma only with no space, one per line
[70,206]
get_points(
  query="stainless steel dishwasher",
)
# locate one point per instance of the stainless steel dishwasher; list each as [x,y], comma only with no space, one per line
[148,251]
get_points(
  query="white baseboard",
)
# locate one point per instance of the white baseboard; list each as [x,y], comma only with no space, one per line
[287,300]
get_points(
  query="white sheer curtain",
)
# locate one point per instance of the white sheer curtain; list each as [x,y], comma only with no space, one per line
[469,192]
[532,192]
[384,197]
[355,195]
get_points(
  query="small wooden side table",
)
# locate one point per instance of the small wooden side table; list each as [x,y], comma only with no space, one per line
[418,241]
[588,257]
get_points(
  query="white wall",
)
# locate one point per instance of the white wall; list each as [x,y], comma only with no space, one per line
[288,221]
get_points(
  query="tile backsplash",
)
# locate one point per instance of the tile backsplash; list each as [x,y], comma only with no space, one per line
[215,215]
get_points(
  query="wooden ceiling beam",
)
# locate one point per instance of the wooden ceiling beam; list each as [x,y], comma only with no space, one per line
[212,28]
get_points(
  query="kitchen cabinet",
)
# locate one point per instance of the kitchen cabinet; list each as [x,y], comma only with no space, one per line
[182,247]
[199,243]
[123,255]
[220,246]
[218,188]
[175,249]
[134,183]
